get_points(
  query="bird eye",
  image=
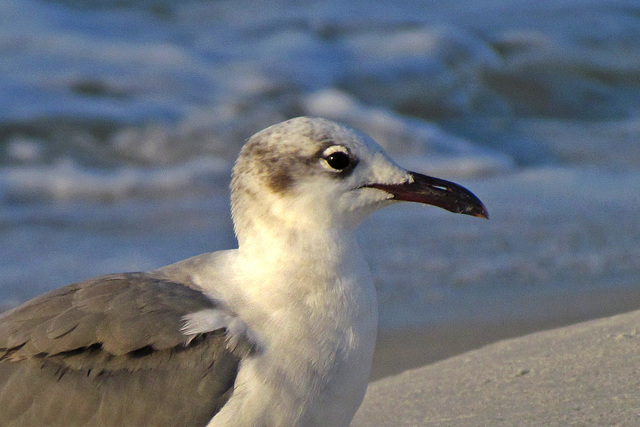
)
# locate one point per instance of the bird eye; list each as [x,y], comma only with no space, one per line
[338,160]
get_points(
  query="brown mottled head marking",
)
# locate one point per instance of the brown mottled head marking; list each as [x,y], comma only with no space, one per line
[269,164]
[274,157]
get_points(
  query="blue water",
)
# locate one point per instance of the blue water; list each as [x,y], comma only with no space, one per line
[119,123]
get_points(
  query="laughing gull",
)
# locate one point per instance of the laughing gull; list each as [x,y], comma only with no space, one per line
[279,332]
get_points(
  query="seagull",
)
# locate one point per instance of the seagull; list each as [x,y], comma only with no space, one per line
[278,332]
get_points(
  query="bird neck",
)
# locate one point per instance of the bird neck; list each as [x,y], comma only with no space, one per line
[281,246]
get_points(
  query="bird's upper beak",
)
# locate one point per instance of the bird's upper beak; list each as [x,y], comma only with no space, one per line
[437,192]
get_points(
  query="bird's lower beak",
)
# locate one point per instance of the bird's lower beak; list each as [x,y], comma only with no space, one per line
[437,192]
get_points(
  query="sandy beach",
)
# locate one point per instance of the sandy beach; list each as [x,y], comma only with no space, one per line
[408,348]
[582,374]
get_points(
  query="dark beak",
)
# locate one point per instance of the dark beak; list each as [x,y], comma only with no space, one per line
[437,192]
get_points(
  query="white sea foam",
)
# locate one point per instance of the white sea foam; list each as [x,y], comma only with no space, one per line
[65,180]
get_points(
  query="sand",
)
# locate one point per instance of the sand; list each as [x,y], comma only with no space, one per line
[583,374]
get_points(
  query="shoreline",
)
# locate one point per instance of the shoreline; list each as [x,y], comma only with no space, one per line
[582,374]
[399,350]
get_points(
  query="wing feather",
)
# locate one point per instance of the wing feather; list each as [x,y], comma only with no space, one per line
[110,351]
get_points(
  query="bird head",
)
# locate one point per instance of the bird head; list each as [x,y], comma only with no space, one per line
[311,173]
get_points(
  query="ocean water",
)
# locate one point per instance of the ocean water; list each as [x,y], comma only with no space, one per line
[120,121]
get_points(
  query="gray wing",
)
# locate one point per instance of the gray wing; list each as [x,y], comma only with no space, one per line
[109,352]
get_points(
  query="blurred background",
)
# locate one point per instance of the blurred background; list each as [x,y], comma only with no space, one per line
[120,121]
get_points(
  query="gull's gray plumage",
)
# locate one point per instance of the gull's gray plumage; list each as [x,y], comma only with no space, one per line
[70,357]
[277,332]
